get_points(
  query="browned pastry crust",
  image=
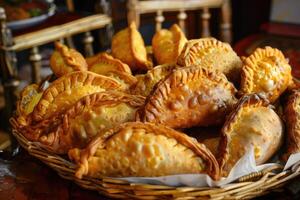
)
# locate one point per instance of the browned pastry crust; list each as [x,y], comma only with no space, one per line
[252,123]
[212,54]
[68,89]
[292,119]
[143,149]
[146,82]
[190,96]
[91,115]
[65,60]
[168,44]
[266,71]
[128,46]
[105,63]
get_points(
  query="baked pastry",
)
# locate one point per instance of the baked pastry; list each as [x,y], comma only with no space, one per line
[292,119]
[68,89]
[189,96]
[138,149]
[146,82]
[212,54]
[168,44]
[91,115]
[105,63]
[252,124]
[266,71]
[64,60]
[128,46]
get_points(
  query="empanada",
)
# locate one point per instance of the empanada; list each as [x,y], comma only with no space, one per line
[189,96]
[65,60]
[251,124]
[292,119]
[128,46]
[168,44]
[68,89]
[265,71]
[105,63]
[146,82]
[91,115]
[138,149]
[212,54]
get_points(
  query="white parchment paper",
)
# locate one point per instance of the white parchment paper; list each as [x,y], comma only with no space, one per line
[244,166]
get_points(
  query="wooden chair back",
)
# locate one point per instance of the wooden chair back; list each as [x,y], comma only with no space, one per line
[137,8]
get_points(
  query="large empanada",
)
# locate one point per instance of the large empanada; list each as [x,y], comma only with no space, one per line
[212,54]
[189,96]
[251,124]
[68,89]
[292,119]
[65,60]
[128,46]
[168,44]
[138,149]
[91,115]
[265,71]
[146,82]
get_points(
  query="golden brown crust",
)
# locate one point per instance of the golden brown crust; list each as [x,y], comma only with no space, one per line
[185,156]
[129,47]
[69,88]
[212,54]
[251,123]
[65,60]
[189,97]
[92,114]
[146,82]
[265,71]
[292,119]
[105,63]
[168,44]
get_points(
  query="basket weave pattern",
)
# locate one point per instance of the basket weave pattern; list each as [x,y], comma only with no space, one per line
[247,187]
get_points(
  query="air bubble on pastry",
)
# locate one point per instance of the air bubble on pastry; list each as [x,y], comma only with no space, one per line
[252,124]
[266,71]
[65,60]
[133,157]
[178,107]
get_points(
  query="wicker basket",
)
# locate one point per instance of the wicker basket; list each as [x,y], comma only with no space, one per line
[250,186]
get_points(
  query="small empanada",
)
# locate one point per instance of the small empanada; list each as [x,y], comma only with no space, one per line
[91,115]
[251,124]
[68,89]
[105,63]
[65,60]
[146,82]
[168,44]
[138,149]
[189,96]
[212,54]
[292,119]
[265,71]
[128,46]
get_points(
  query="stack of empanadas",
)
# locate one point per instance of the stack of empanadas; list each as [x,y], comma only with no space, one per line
[115,114]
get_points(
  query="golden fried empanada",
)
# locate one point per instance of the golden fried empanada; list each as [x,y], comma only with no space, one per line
[91,115]
[138,149]
[68,89]
[189,96]
[65,60]
[105,63]
[146,82]
[128,46]
[292,119]
[266,71]
[251,124]
[168,44]
[212,54]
